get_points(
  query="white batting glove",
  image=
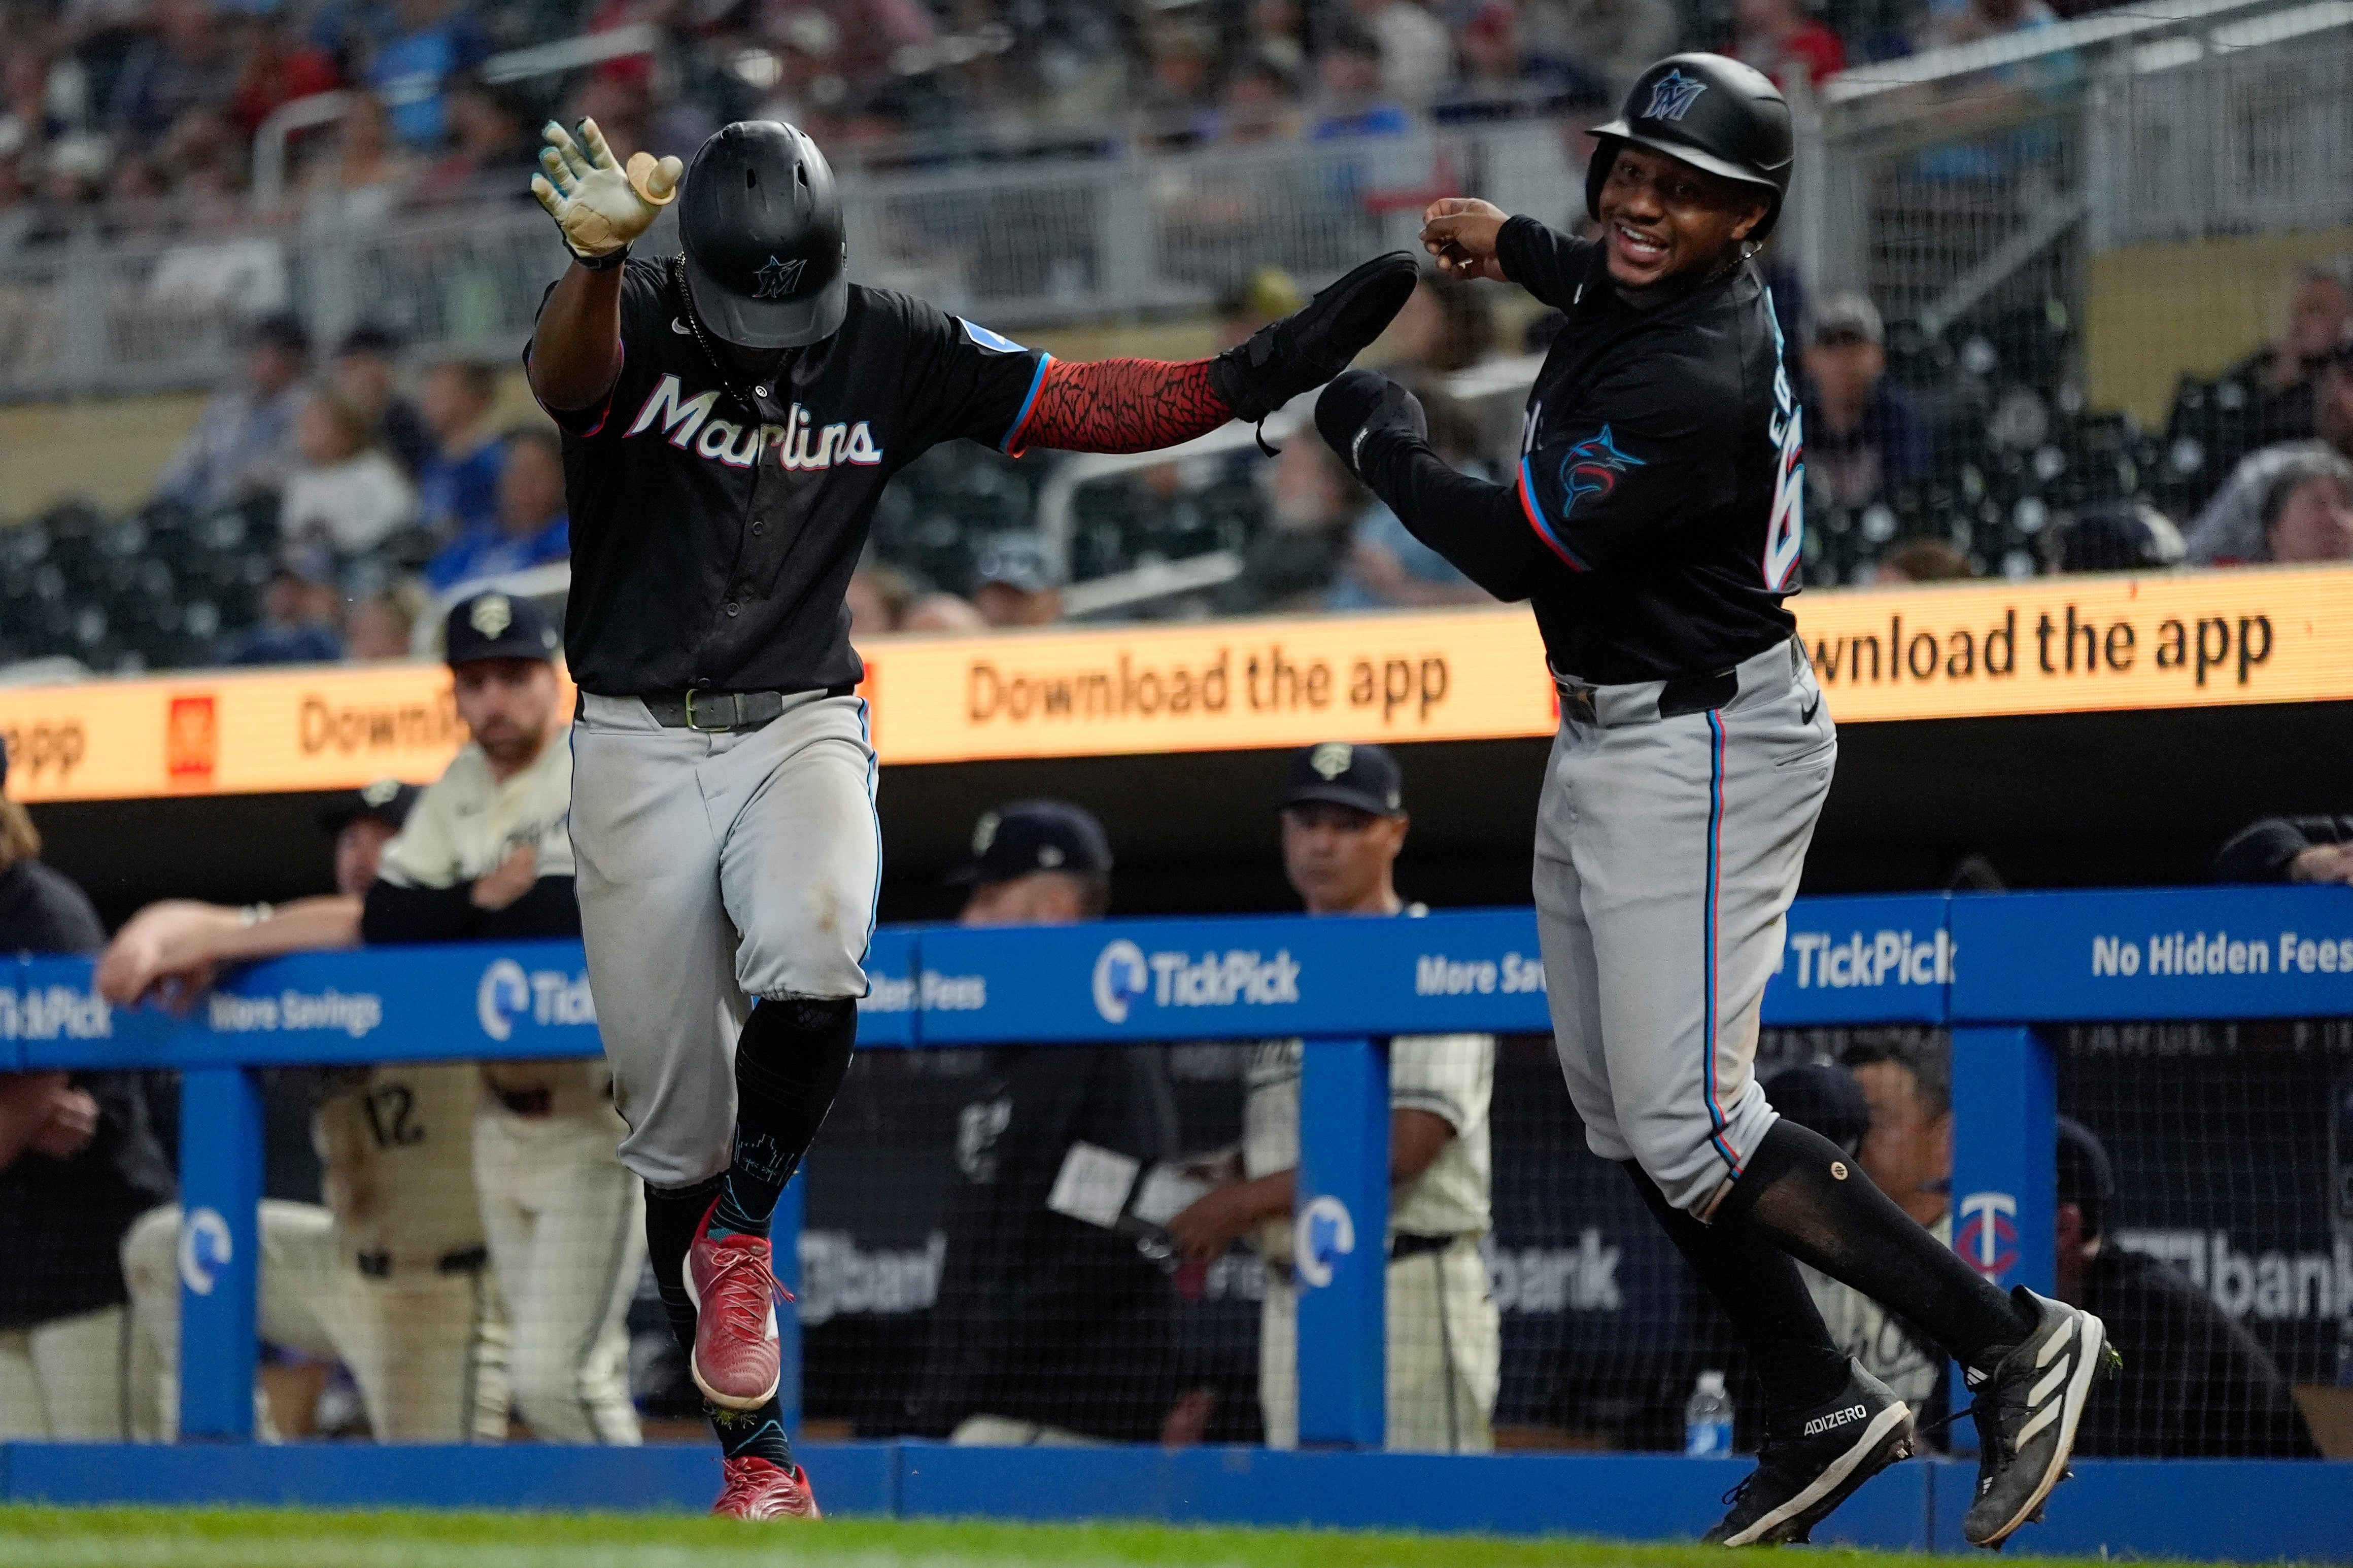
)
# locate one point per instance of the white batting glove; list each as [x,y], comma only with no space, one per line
[599,205]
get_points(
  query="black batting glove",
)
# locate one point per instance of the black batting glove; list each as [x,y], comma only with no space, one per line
[1314,343]
[1359,402]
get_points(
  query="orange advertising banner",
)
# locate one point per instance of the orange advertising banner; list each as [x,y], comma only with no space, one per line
[2048,645]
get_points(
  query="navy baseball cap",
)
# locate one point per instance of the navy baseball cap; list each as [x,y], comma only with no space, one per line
[1366,778]
[2086,1179]
[498,625]
[1824,1100]
[387,800]
[1027,837]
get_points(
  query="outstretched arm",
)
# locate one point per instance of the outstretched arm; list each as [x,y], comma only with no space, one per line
[1377,428]
[599,207]
[1122,405]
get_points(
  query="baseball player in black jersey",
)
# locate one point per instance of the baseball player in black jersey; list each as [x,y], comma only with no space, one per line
[731,416]
[1655,524]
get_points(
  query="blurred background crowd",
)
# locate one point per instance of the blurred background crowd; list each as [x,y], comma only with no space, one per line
[317,214]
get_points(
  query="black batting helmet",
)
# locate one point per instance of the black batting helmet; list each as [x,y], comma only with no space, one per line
[1711,112]
[760,223]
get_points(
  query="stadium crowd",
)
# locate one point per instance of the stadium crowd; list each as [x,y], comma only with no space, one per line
[144,113]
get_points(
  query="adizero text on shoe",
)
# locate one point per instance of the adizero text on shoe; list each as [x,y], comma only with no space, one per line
[1813,1460]
[1314,343]
[754,1488]
[732,1284]
[2027,1410]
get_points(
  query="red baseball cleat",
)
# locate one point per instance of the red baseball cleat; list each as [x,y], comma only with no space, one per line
[732,1282]
[759,1489]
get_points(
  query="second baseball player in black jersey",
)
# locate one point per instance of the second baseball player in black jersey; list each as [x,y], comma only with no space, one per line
[1655,524]
[732,414]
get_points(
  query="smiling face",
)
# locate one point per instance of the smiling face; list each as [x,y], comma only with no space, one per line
[1663,219]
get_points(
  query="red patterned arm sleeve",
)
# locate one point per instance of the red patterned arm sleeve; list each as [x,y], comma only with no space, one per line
[1120,405]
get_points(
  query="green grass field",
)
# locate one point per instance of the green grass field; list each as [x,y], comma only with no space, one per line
[264,1538]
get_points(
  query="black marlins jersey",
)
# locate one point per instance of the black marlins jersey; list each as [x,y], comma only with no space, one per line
[1660,468]
[714,531]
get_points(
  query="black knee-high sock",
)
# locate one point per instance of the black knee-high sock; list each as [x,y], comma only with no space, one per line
[1761,1290]
[789,1063]
[1803,1194]
[670,1220]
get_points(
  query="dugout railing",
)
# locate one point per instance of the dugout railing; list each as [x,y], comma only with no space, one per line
[1998,971]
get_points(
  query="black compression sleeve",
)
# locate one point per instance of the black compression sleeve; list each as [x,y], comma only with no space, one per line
[1546,262]
[396,914]
[550,909]
[1475,524]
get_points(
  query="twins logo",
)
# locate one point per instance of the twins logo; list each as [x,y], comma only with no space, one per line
[777,279]
[1988,1239]
[1591,469]
[1673,95]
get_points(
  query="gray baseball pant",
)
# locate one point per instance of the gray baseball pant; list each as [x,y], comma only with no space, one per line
[1668,849]
[715,868]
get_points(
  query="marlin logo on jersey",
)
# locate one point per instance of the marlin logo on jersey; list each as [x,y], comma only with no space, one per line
[800,443]
[1673,95]
[1784,531]
[1591,469]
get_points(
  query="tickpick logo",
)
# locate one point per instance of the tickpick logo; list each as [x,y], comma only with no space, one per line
[1988,1239]
[1121,977]
[205,1250]
[1323,1234]
[549,996]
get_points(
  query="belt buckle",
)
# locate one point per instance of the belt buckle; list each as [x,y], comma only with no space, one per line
[1576,701]
[713,729]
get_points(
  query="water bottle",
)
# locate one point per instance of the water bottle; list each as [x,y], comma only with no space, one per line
[1707,1419]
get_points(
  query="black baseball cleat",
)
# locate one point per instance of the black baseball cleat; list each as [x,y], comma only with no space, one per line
[2026,1409]
[1813,1460]
[1314,343]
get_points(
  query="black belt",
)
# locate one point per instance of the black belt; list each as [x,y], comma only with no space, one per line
[526,1102]
[720,711]
[1684,694]
[465,1260]
[1406,1245]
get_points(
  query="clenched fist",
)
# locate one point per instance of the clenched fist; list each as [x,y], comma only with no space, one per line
[599,205]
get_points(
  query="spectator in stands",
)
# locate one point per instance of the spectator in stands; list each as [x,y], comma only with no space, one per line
[1173,97]
[1780,38]
[486,141]
[943,613]
[1344,823]
[1862,438]
[300,611]
[1049,1326]
[243,444]
[2271,396]
[1448,324]
[1260,103]
[345,492]
[1016,582]
[1616,38]
[1502,79]
[366,176]
[458,488]
[2231,528]
[188,63]
[1267,295]
[77,1164]
[2308,510]
[363,372]
[1354,102]
[277,67]
[531,528]
[2195,1385]
[375,627]
[879,598]
[1920,561]
[432,40]
[1417,54]
[2116,536]
[1313,504]
[1829,1101]
[485,853]
[2289,849]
